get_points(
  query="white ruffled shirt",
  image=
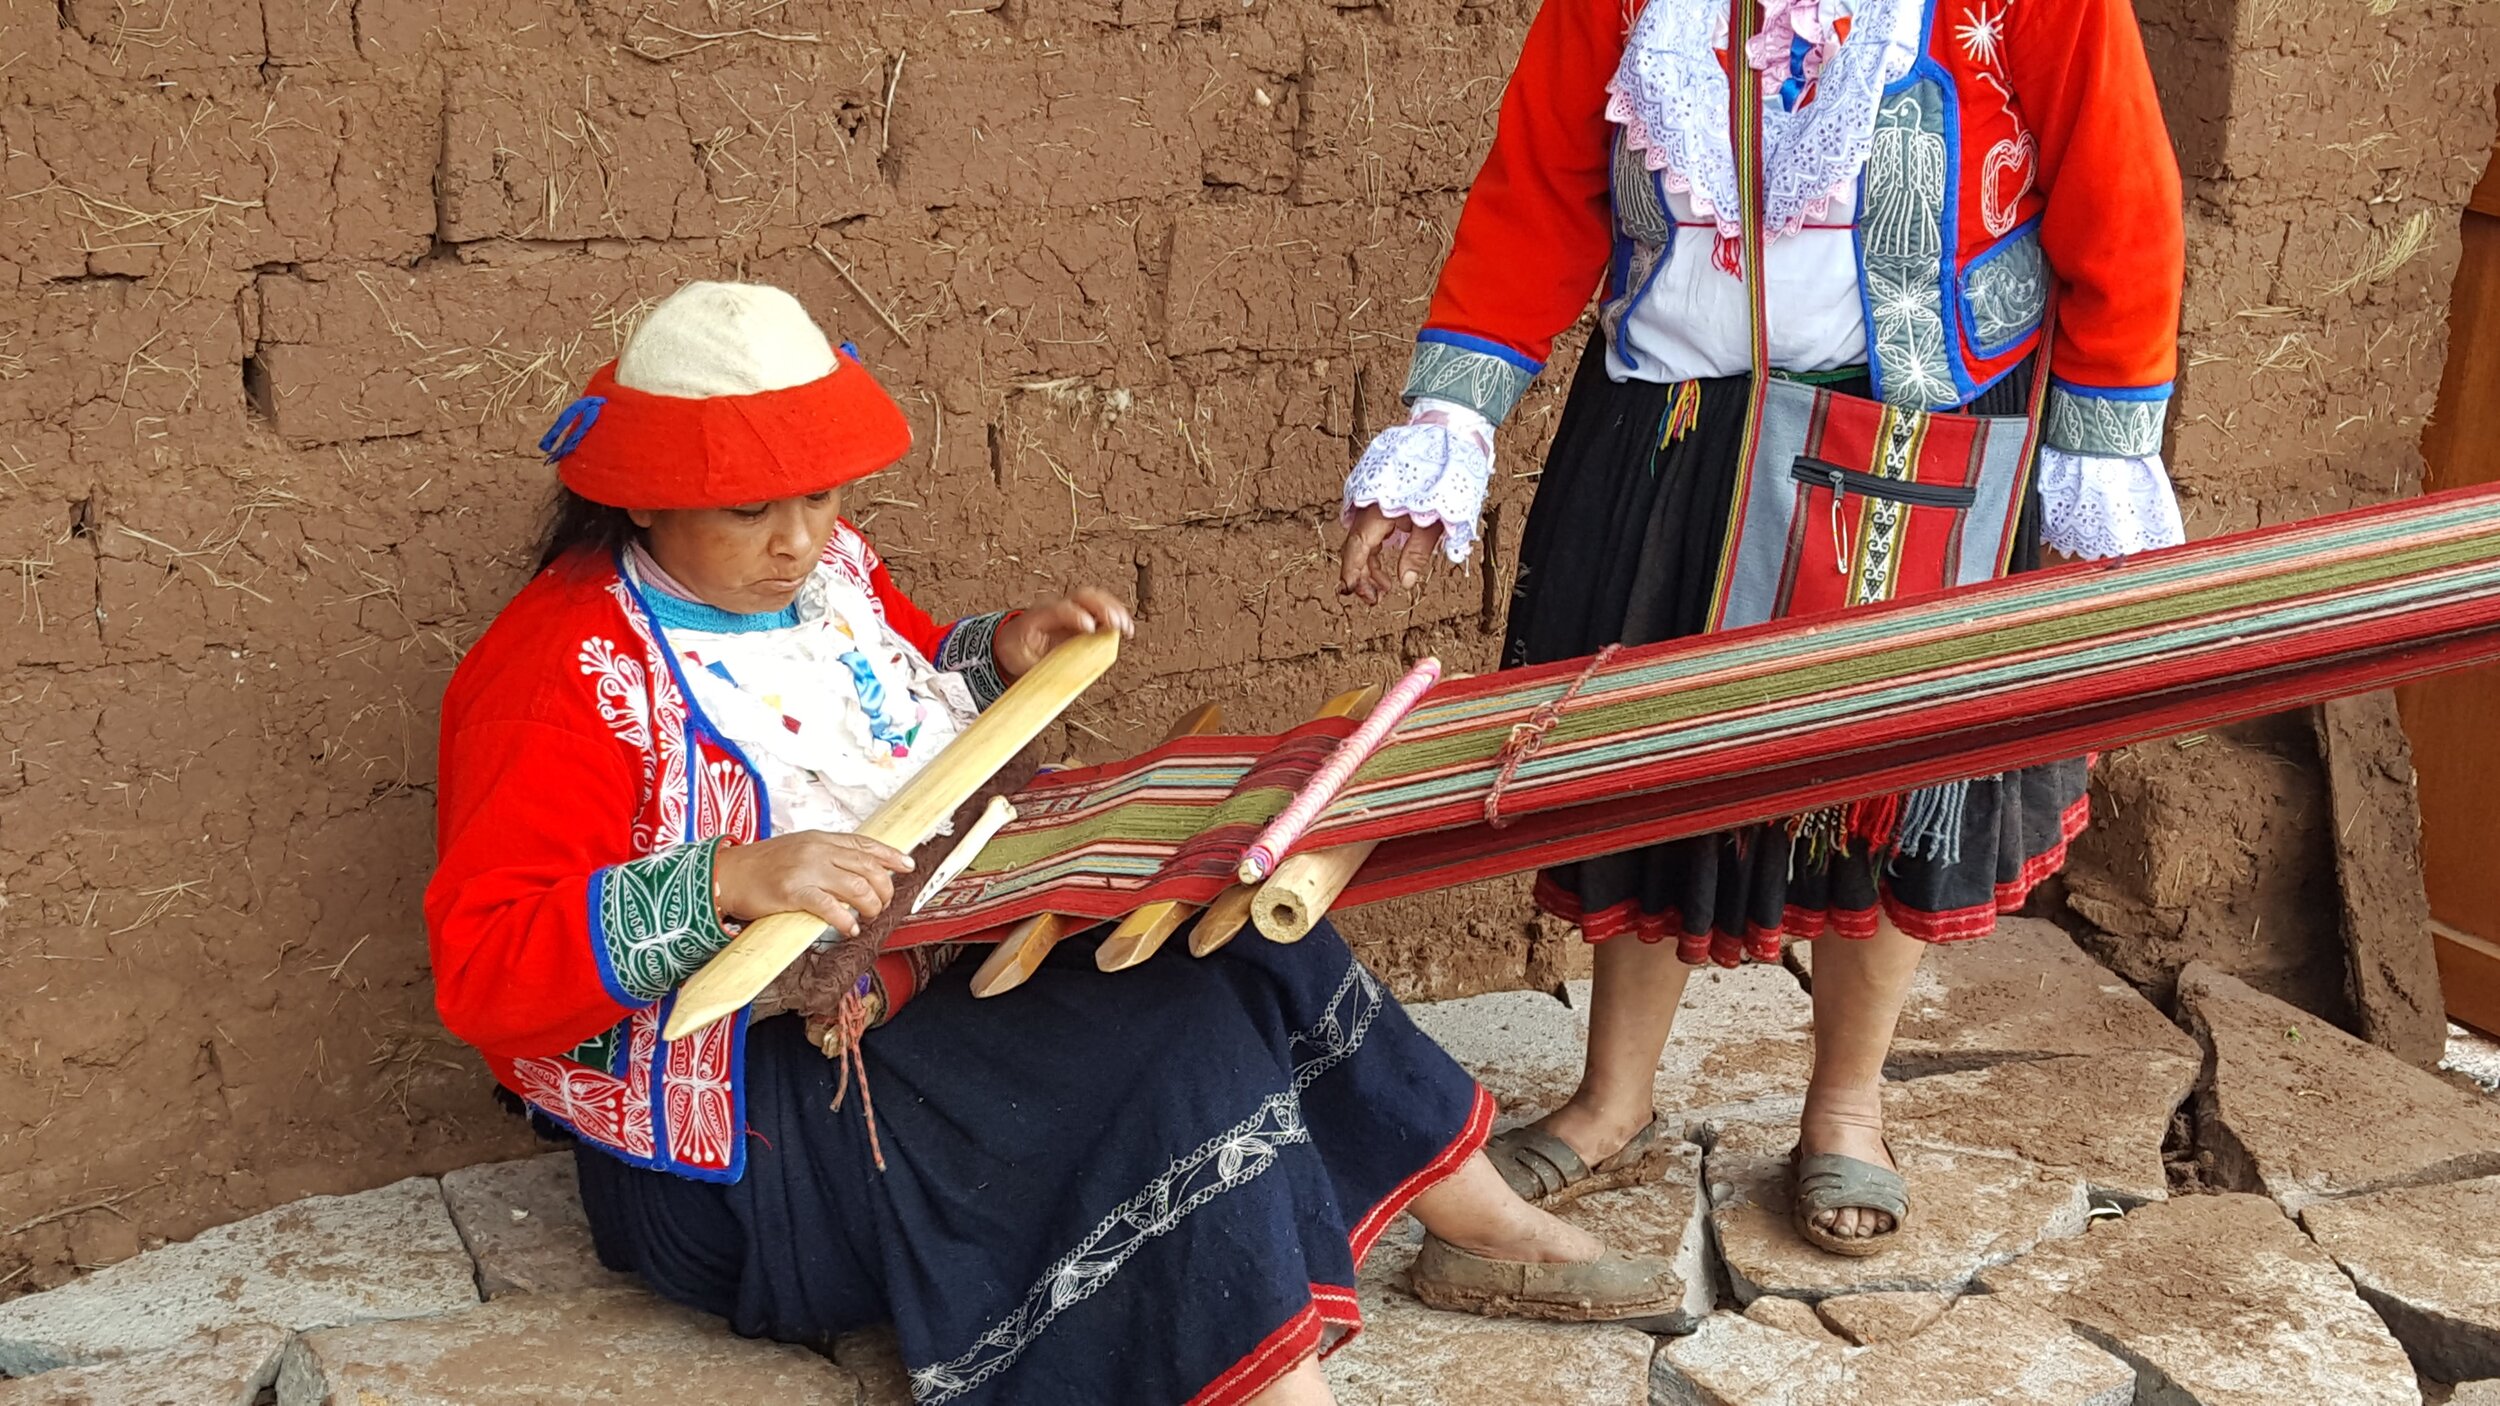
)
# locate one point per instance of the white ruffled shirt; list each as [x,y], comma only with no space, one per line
[834,712]
[1670,95]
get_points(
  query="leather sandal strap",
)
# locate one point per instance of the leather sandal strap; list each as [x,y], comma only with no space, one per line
[1543,1157]
[1828,1181]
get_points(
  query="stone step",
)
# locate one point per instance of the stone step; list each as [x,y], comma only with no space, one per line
[387,1253]
[1408,1354]
[2106,1116]
[2428,1259]
[585,1347]
[1970,1210]
[1982,1353]
[229,1367]
[523,1224]
[2301,1111]
[2024,992]
[2216,1301]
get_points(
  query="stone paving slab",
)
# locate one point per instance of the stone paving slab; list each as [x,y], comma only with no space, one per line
[2216,1301]
[2104,1115]
[1970,1210]
[1792,1316]
[1409,1355]
[1867,1319]
[2428,1259]
[523,1224]
[1740,1048]
[588,1347]
[1667,1218]
[229,1367]
[1980,1354]
[1525,1047]
[387,1253]
[2301,1111]
[2025,992]
[2483,1393]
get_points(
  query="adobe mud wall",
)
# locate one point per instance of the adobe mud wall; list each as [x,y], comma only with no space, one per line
[2328,148]
[290,286]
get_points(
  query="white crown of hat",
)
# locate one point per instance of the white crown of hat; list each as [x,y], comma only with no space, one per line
[714,339]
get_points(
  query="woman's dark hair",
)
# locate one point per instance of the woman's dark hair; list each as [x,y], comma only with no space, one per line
[576,521]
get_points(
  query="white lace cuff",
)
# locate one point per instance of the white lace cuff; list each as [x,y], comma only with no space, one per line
[2094,506]
[1435,468]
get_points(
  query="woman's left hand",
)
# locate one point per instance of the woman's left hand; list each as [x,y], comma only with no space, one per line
[1027,636]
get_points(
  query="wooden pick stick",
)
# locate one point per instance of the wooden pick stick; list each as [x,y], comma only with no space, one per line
[1229,913]
[1223,920]
[1021,952]
[740,971]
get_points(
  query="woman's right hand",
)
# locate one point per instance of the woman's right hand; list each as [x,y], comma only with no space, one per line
[1416,492]
[843,880]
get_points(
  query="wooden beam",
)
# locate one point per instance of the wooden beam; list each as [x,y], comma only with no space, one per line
[2469,972]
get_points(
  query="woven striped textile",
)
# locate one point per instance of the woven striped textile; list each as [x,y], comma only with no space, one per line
[1702,734]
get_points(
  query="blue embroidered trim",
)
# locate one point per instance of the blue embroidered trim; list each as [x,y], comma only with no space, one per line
[565,435]
[1990,303]
[2160,392]
[1485,345]
[679,614]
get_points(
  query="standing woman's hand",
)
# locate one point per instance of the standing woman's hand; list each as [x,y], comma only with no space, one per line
[1027,635]
[1417,490]
[843,880]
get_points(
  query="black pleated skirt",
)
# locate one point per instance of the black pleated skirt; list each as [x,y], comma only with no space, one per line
[1622,546]
[1132,1189]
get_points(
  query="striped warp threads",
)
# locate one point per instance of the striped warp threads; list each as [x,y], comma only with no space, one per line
[1279,836]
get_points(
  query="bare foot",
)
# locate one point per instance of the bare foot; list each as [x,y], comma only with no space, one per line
[1849,1122]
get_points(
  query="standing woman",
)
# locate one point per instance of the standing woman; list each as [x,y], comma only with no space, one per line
[1149,1187]
[1901,316]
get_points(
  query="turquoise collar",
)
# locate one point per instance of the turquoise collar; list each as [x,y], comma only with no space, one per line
[675,614]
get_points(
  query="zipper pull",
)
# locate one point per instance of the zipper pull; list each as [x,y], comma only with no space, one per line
[1840,533]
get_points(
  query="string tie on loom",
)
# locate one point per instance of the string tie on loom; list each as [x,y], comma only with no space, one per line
[841,1044]
[1527,737]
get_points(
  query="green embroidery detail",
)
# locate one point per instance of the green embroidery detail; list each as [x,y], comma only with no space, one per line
[656,918]
[599,1051]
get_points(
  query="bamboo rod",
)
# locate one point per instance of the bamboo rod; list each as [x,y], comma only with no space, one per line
[1142,934]
[738,972]
[1299,893]
[1021,952]
[1292,902]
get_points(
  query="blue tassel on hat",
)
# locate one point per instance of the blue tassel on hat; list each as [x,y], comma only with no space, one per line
[562,437]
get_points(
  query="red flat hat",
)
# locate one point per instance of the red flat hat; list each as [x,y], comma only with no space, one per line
[753,421]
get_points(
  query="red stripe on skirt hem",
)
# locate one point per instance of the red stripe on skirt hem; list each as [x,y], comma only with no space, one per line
[1335,1307]
[1805,924]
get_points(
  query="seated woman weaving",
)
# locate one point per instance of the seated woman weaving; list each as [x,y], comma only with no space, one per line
[1147,1187]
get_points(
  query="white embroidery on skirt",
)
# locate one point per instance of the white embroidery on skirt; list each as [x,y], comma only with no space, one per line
[1231,1158]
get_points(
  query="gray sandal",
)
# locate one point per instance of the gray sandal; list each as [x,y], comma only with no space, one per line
[1828,1181]
[1542,1168]
[1613,1288]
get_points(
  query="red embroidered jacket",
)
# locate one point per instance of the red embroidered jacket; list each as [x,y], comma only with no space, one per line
[582,794]
[2056,166]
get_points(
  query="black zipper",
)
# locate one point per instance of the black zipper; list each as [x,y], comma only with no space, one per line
[1829,475]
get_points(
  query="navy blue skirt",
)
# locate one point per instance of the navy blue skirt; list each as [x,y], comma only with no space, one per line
[1150,1186]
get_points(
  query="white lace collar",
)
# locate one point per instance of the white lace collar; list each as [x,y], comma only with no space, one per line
[1670,96]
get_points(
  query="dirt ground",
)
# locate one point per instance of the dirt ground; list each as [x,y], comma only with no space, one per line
[291,287]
